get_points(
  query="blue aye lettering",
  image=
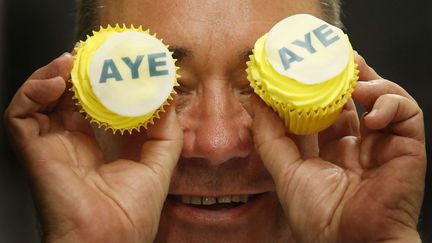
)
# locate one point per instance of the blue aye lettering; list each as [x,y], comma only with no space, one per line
[110,70]
[322,33]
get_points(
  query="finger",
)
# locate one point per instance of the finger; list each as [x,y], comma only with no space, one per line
[34,95]
[399,114]
[162,151]
[366,72]
[45,86]
[69,115]
[75,48]
[67,102]
[343,152]
[346,125]
[339,143]
[61,66]
[379,149]
[366,93]
[277,151]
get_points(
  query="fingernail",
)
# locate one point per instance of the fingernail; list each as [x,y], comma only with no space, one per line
[373,112]
[75,48]
[78,44]
[56,79]
[66,54]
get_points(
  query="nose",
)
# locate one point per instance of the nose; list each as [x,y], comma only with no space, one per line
[216,126]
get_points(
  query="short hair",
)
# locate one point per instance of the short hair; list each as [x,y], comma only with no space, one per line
[332,12]
[88,15]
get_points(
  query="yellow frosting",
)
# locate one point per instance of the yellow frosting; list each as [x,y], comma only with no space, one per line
[84,93]
[296,94]
[305,108]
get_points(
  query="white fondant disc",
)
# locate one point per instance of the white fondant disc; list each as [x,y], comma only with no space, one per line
[127,88]
[307,49]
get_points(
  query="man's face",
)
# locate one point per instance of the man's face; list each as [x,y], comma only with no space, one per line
[212,41]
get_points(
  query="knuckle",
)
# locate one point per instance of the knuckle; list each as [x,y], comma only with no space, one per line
[11,125]
[26,86]
[390,96]
[6,117]
[417,152]
[388,99]
[389,84]
[420,112]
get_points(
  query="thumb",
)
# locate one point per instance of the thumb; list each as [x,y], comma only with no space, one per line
[278,152]
[366,72]
[162,151]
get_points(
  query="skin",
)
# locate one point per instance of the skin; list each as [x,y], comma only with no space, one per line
[361,180]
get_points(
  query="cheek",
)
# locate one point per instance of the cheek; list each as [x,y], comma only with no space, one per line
[182,103]
[186,107]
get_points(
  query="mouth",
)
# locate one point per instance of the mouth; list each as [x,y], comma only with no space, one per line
[221,210]
[214,203]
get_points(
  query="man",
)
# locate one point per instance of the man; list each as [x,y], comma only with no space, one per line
[218,166]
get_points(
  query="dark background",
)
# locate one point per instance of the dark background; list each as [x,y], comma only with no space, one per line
[395,37]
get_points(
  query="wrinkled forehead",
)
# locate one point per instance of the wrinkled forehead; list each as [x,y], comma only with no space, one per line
[194,18]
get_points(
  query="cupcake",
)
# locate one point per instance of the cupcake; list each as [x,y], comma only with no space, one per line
[304,69]
[123,77]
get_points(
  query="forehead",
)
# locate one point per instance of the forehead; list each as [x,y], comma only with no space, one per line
[188,20]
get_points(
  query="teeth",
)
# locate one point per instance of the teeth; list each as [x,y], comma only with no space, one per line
[209,200]
[186,200]
[224,199]
[244,198]
[235,199]
[194,200]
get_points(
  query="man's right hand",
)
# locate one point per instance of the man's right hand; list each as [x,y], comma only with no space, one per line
[79,196]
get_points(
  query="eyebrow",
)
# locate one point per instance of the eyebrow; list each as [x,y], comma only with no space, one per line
[179,52]
[246,53]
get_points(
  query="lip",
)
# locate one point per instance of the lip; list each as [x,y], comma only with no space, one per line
[223,217]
